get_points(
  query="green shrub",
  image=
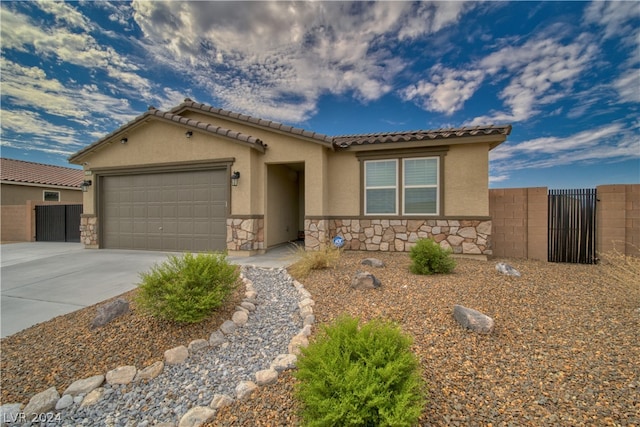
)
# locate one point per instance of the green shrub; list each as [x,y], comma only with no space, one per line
[306,261]
[187,289]
[429,257]
[365,376]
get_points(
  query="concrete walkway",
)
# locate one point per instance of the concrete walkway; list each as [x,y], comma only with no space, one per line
[42,280]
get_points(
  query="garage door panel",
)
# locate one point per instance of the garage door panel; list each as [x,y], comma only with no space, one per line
[173,211]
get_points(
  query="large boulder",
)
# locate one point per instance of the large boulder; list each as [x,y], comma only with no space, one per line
[373,262]
[42,402]
[197,416]
[365,280]
[473,319]
[84,386]
[109,311]
[506,269]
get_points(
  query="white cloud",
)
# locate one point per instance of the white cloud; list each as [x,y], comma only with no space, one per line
[276,59]
[617,17]
[628,85]
[446,90]
[607,143]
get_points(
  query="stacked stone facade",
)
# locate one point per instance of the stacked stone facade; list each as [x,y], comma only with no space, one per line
[89,230]
[470,237]
[245,234]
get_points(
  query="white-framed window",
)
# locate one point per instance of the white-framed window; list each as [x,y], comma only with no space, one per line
[51,196]
[420,186]
[410,187]
[381,187]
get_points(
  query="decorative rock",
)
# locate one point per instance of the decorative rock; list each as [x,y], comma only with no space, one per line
[506,269]
[84,386]
[306,330]
[472,319]
[197,416]
[240,318]
[248,306]
[297,342]
[216,338]
[228,327]
[365,280]
[250,294]
[240,308]
[309,320]
[305,311]
[64,402]
[220,400]
[266,377]
[197,345]
[42,402]
[244,389]
[176,355]
[306,302]
[283,362]
[109,311]
[92,397]
[373,262]
[150,372]
[121,375]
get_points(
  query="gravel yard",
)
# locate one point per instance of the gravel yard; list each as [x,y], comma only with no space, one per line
[564,350]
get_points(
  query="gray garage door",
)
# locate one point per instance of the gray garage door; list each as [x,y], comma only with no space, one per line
[175,211]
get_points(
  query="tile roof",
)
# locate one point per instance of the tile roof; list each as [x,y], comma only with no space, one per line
[346,141]
[343,142]
[37,173]
[189,104]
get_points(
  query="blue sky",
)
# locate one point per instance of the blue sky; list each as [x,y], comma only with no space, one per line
[566,75]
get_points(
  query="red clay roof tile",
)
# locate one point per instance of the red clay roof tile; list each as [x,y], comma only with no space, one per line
[37,173]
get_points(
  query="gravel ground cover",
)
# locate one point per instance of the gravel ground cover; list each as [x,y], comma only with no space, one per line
[564,350]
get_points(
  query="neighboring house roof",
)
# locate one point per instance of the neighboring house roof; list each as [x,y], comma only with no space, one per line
[19,171]
[334,142]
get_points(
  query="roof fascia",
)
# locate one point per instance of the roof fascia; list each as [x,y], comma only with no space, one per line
[35,184]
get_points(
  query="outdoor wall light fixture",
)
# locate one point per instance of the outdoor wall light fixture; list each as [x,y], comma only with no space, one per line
[188,134]
[234,178]
[124,140]
[85,186]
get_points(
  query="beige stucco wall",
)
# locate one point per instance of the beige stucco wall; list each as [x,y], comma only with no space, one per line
[13,194]
[281,148]
[466,180]
[343,175]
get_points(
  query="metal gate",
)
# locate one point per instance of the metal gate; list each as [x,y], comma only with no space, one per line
[572,226]
[58,223]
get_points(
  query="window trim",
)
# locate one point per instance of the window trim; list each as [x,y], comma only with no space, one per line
[44,195]
[436,186]
[395,187]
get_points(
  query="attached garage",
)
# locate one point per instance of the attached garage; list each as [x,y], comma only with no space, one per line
[166,211]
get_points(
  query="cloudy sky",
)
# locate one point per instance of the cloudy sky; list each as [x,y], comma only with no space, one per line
[566,75]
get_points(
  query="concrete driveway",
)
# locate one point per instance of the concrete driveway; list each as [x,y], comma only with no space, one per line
[42,280]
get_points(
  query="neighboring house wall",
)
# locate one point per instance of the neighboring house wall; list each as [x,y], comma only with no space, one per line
[520,217]
[18,209]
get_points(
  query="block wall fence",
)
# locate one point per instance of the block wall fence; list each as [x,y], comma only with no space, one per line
[19,221]
[520,218]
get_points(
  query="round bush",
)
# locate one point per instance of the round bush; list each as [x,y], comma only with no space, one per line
[365,376]
[188,288]
[429,257]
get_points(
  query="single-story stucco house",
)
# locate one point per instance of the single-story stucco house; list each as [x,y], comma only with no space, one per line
[200,178]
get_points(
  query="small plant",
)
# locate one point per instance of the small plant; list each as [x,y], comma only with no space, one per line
[360,376]
[326,257]
[429,257]
[188,288]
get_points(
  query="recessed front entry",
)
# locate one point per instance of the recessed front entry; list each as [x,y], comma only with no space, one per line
[285,203]
[169,211]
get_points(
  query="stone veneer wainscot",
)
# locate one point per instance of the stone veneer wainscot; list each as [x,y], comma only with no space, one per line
[245,234]
[89,230]
[467,236]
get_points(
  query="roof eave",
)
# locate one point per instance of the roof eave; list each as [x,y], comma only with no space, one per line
[493,140]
